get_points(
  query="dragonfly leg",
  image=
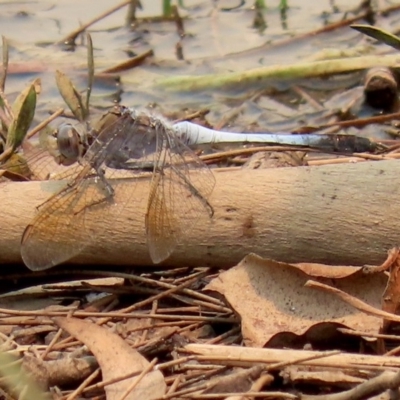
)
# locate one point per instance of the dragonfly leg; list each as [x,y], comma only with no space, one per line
[93,203]
[195,192]
[107,190]
[69,185]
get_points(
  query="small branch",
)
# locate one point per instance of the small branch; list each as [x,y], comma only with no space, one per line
[74,34]
[386,380]
[44,123]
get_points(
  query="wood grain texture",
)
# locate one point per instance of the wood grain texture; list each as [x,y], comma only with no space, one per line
[334,214]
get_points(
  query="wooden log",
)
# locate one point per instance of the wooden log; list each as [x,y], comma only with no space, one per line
[334,214]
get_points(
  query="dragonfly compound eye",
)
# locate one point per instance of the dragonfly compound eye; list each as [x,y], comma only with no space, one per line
[69,144]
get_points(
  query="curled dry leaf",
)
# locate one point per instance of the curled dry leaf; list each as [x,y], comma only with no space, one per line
[71,96]
[116,359]
[391,296]
[380,89]
[16,166]
[271,298]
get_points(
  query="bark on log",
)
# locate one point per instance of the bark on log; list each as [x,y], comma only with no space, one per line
[334,214]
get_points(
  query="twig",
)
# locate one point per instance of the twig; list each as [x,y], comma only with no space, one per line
[308,98]
[79,390]
[44,123]
[103,384]
[386,380]
[75,33]
[138,379]
[352,332]
[120,315]
[129,64]
[9,115]
[353,301]
[263,395]
[390,260]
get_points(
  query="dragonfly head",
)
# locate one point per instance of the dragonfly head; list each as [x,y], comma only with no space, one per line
[70,144]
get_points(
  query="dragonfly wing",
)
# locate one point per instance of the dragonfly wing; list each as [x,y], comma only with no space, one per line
[179,193]
[65,223]
[112,142]
[61,228]
[43,165]
[160,224]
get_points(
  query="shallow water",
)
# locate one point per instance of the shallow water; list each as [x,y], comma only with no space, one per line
[220,37]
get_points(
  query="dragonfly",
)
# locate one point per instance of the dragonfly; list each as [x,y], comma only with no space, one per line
[137,141]
[134,142]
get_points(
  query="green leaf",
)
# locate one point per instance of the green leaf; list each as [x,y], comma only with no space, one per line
[71,96]
[260,5]
[23,111]
[5,117]
[90,70]
[378,34]
[5,64]
[167,9]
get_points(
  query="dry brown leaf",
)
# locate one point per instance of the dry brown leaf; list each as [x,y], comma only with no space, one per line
[327,271]
[271,298]
[391,297]
[116,359]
